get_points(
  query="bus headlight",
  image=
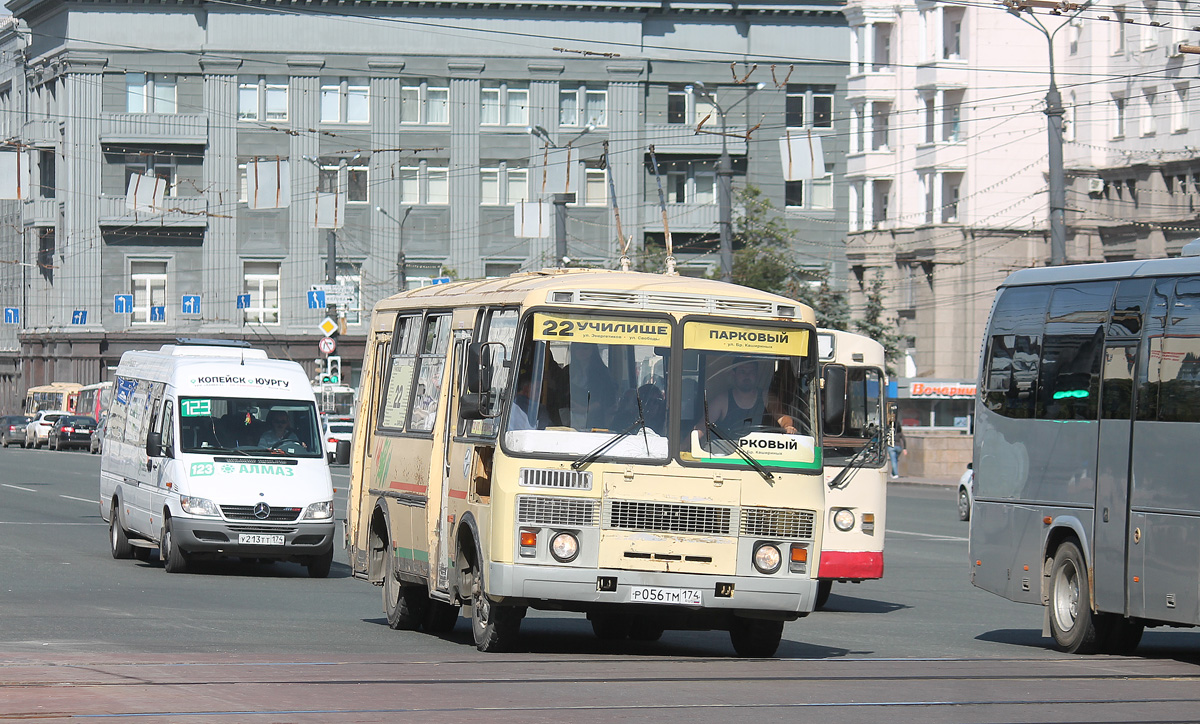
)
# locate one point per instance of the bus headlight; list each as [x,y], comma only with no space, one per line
[767,558]
[843,520]
[564,547]
[199,506]
[319,511]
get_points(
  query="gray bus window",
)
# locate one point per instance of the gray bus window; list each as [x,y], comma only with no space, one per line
[1149,374]
[1014,344]
[1071,351]
[1179,370]
[1118,382]
[1129,308]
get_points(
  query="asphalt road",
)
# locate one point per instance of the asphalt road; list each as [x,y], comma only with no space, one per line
[82,634]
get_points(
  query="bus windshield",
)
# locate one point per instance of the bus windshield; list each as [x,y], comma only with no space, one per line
[575,390]
[251,425]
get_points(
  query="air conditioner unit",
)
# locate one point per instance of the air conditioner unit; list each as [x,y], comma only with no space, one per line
[1095,186]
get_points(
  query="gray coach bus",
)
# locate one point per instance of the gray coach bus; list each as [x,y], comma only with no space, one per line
[1086,500]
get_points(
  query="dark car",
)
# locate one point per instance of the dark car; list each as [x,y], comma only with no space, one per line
[12,429]
[96,446]
[71,431]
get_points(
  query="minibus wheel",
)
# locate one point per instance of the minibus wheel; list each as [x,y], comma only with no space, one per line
[440,617]
[403,605]
[494,627]
[118,541]
[755,638]
[175,560]
[318,566]
[1071,619]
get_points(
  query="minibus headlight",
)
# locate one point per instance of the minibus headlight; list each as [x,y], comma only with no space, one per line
[199,506]
[767,558]
[564,547]
[319,511]
[844,519]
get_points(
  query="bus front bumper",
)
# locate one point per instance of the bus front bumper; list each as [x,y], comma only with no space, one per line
[790,595]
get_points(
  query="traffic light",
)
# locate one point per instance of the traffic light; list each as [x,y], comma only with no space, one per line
[333,371]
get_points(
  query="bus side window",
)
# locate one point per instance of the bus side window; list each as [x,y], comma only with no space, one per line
[1014,347]
[1179,393]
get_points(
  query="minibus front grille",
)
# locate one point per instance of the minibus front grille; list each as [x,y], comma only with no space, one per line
[561,479]
[546,510]
[667,517]
[272,529]
[778,523]
[246,512]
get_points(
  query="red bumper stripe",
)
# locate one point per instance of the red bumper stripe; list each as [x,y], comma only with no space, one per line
[851,565]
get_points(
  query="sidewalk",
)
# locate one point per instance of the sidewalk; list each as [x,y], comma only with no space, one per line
[907,480]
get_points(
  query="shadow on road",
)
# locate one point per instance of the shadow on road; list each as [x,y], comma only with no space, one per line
[1030,637]
[248,568]
[854,604]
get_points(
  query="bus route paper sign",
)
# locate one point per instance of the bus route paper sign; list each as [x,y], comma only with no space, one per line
[741,338]
[600,330]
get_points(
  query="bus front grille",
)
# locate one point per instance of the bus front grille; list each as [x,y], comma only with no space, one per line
[545,510]
[667,517]
[778,523]
[562,479]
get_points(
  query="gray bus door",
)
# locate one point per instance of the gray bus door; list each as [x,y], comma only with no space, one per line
[1109,563]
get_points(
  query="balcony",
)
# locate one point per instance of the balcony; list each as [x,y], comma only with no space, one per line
[943,156]
[190,211]
[41,132]
[40,212]
[878,85]
[682,138]
[942,74]
[872,164]
[187,128]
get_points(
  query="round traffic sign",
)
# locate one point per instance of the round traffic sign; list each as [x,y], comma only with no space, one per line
[327,345]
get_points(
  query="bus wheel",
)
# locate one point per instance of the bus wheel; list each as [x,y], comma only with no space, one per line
[404,605]
[755,638]
[964,505]
[176,561]
[1122,635]
[1071,620]
[494,627]
[117,540]
[645,630]
[823,589]
[318,566]
[611,626]
[440,617]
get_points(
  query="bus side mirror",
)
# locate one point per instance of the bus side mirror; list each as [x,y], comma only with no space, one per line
[154,444]
[480,365]
[341,455]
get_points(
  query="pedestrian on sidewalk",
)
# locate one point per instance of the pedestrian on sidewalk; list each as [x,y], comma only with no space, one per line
[897,447]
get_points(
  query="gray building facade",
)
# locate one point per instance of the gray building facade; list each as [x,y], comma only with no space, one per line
[427,120]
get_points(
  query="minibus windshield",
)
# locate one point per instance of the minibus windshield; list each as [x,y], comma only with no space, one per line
[249,425]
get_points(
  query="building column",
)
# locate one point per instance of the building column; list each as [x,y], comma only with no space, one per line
[306,244]
[936,179]
[464,250]
[869,126]
[869,203]
[625,149]
[855,215]
[78,243]
[384,233]
[856,50]
[222,276]
[869,46]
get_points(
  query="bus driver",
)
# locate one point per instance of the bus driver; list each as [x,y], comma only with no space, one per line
[745,404]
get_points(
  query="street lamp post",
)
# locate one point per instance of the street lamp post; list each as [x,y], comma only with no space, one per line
[401,263]
[724,181]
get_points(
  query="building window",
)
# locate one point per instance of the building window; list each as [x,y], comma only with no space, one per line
[821,190]
[951,184]
[1118,31]
[148,284]
[424,184]
[160,165]
[930,118]
[818,100]
[46,174]
[582,106]
[883,47]
[688,181]
[263,99]
[493,269]
[262,284]
[502,184]
[1179,109]
[793,194]
[952,116]
[149,93]
[686,106]
[1149,121]
[425,104]
[595,186]
[347,101]
[1118,117]
[349,274]
[349,179]
[505,105]
[45,254]
[880,117]
[952,29]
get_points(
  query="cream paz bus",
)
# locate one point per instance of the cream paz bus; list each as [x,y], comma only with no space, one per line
[640,448]
[853,381]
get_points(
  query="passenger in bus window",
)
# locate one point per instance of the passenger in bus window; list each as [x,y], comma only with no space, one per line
[746,404]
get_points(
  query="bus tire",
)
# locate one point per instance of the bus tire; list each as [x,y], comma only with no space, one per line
[440,617]
[823,590]
[318,566]
[1121,635]
[755,638]
[611,626]
[174,559]
[118,541]
[403,604]
[494,627]
[964,505]
[1072,622]
[646,630]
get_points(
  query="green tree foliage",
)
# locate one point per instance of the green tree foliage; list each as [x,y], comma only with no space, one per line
[830,305]
[874,325]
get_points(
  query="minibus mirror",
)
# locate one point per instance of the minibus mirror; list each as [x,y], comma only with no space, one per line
[154,444]
[471,406]
[341,455]
[480,365]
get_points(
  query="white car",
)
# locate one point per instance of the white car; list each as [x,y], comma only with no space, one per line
[966,493]
[336,428]
[38,429]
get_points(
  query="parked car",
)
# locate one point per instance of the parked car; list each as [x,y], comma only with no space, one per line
[336,428]
[966,493]
[38,429]
[12,429]
[71,431]
[96,445]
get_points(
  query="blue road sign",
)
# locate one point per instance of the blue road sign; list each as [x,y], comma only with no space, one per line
[316,299]
[12,315]
[79,316]
[243,301]
[441,280]
[158,313]
[122,304]
[191,303]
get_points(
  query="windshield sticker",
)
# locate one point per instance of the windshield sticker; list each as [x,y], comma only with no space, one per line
[199,469]
[773,449]
[195,408]
[600,330]
[240,380]
[737,338]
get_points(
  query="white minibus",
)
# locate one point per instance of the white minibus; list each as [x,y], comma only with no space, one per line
[214,450]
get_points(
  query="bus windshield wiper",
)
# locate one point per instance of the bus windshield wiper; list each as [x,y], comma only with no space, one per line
[607,444]
[856,462]
[741,451]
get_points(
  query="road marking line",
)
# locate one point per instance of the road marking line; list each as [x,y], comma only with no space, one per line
[82,500]
[18,487]
[927,535]
[37,522]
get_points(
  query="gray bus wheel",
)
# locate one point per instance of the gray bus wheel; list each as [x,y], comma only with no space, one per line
[1071,619]
[318,566]
[755,638]
[1122,635]
[964,505]
[402,604]
[174,558]
[117,540]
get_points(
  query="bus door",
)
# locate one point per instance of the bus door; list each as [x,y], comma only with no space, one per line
[1109,564]
[456,461]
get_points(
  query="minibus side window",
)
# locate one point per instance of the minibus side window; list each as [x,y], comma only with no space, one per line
[499,325]
[397,392]
[114,429]
[432,361]
[168,429]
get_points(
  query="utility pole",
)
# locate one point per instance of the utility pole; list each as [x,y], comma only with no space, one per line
[560,202]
